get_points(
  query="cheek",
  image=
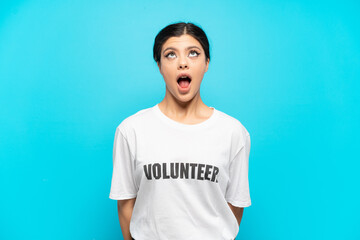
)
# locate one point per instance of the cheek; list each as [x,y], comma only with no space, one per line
[167,69]
[199,70]
[168,74]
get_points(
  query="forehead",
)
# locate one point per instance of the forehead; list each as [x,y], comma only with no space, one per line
[181,42]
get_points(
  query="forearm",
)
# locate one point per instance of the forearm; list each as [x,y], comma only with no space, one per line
[238,212]
[125,209]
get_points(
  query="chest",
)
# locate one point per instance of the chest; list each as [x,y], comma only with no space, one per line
[180,147]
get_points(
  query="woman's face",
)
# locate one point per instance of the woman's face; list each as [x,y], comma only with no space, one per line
[180,55]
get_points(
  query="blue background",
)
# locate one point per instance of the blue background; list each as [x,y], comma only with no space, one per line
[71,71]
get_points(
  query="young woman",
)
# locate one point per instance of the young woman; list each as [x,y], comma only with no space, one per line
[180,168]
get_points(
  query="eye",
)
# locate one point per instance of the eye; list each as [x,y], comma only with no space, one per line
[170,53]
[193,51]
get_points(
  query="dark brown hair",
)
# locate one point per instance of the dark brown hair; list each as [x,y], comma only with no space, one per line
[176,30]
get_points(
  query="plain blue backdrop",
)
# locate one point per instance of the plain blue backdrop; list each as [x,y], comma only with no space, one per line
[71,71]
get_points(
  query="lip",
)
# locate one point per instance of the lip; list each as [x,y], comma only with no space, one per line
[182,75]
[187,89]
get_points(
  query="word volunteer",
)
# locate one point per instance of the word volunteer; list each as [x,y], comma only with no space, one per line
[197,171]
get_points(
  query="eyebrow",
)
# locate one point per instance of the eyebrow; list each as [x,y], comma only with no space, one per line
[186,48]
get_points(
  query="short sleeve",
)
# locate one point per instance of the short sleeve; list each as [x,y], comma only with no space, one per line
[122,184]
[237,191]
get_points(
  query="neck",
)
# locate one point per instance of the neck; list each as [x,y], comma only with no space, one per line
[183,109]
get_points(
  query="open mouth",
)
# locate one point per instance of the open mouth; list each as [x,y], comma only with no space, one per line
[184,81]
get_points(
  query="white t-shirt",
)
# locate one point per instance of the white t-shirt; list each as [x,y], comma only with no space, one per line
[182,175]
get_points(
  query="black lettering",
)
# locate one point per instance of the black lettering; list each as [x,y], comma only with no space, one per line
[181,170]
[157,170]
[215,172]
[174,172]
[207,172]
[193,166]
[200,171]
[184,170]
[147,171]
[164,172]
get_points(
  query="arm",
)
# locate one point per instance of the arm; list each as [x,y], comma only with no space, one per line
[238,212]
[125,209]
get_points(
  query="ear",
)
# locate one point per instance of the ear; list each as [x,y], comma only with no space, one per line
[159,66]
[207,64]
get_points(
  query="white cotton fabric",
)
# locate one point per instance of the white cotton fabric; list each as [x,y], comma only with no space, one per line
[213,153]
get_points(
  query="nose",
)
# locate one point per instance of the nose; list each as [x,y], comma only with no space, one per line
[182,64]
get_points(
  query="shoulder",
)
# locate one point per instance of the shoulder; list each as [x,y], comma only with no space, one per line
[129,123]
[232,123]
[234,128]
